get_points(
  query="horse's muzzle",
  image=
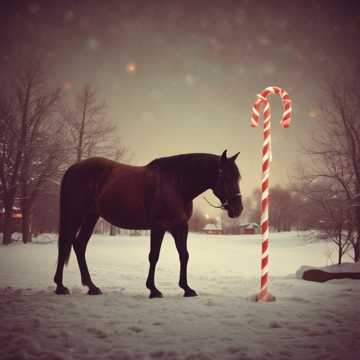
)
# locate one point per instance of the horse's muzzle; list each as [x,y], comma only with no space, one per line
[234,212]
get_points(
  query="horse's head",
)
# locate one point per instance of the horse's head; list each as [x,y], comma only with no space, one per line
[227,188]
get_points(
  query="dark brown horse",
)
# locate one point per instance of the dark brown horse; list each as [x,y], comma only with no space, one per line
[157,196]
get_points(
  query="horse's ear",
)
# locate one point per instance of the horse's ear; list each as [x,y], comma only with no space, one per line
[223,156]
[223,159]
[233,158]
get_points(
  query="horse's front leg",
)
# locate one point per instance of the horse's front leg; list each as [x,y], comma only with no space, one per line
[180,234]
[156,237]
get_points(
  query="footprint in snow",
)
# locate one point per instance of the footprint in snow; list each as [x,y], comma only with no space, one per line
[275,325]
[97,333]
[210,303]
[136,329]
[299,299]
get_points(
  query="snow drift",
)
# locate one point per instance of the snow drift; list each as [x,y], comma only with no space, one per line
[308,320]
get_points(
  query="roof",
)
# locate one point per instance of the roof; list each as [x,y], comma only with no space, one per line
[249,226]
[15,208]
[212,227]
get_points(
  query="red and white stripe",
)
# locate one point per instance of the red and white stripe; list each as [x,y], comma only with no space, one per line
[262,99]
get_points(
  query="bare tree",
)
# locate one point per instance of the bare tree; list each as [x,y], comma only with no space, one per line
[331,214]
[90,132]
[31,145]
[285,208]
[42,146]
[118,154]
[281,211]
[335,225]
[335,149]
[252,206]
[10,161]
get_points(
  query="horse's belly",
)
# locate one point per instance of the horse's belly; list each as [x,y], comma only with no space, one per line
[128,220]
[121,201]
[124,211]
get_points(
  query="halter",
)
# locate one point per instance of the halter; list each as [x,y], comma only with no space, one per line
[222,205]
[227,201]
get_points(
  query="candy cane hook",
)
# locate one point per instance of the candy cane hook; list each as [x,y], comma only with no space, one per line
[262,99]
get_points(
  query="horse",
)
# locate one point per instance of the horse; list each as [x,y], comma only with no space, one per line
[157,197]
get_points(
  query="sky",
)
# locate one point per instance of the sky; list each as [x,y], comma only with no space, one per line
[181,76]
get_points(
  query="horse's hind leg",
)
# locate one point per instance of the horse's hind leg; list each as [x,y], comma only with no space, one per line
[180,234]
[80,245]
[66,238]
[156,238]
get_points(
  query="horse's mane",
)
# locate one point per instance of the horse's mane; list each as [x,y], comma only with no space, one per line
[186,169]
[179,164]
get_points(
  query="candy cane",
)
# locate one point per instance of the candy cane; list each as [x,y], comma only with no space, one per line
[262,98]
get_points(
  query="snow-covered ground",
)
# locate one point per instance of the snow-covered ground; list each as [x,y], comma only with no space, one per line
[308,320]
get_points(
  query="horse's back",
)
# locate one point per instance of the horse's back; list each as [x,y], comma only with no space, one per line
[122,200]
[132,197]
[91,168]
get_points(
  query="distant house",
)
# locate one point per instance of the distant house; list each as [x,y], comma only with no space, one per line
[16,219]
[249,229]
[213,229]
[238,229]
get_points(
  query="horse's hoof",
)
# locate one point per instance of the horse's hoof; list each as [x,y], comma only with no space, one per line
[62,290]
[94,291]
[190,293]
[155,294]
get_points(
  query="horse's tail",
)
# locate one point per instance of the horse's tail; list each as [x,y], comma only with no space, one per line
[65,241]
[77,194]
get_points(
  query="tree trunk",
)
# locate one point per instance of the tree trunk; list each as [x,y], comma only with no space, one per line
[82,129]
[26,225]
[7,227]
[356,247]
[340,254]
[112,230]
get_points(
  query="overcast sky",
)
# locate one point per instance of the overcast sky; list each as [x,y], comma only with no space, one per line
[181,76]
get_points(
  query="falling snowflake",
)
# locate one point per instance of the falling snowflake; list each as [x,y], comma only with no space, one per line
[92,44]
[155,94]
[67,85]
[216,45]
[84,22]
[269,69]
[204,22]
[69,15]
[240,16]
[34,8]
[264,40]
[282,24]
[299,55]
[313,114]
[241,70]
[190,79]
[131,68]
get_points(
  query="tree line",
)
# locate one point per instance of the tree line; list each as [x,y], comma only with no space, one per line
[323,194]
[330,180]
[42,133]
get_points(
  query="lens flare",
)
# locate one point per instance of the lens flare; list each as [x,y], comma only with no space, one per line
[131,68]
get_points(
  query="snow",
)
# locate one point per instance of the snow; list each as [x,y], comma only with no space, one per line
[334,268]
[212,227]
[308,320]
